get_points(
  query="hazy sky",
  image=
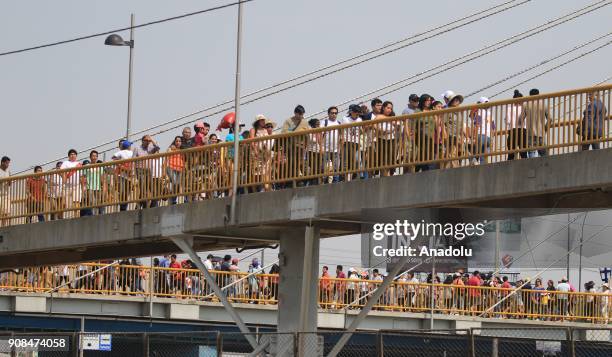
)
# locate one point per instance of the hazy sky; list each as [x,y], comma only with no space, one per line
[75,95]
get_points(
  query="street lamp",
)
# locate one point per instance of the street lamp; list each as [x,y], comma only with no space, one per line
[116,40]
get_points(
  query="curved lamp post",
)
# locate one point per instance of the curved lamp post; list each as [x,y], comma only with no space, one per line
[116,40]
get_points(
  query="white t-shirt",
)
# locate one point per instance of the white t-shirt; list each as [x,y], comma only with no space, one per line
[157,167]
[563,288]
[330,140]
[512,114]
[386,130]
[4,187]
[408,111]
[351,135]
[72,178]
[55,186]
[123,155]
[486,122]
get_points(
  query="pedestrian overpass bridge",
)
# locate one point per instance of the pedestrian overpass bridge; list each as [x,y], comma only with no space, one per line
[567,178]
[195,313]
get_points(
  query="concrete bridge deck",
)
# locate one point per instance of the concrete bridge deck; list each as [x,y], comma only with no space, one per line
[533,186]
[180,310]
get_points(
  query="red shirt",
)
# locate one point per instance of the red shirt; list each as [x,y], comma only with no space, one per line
[474,281]
[198,139]
[36,187]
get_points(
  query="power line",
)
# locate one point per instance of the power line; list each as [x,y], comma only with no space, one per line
[541,63]
[554,68]
[402,41]
[516,38]
[63,42]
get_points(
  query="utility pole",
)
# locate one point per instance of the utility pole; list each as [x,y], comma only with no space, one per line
[233,219]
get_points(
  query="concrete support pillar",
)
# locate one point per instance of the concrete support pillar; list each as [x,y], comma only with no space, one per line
[298,285]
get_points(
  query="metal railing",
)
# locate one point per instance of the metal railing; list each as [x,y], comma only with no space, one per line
[334,294]
[548,124]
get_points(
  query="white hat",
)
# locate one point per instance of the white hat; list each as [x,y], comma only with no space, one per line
[483,100]
[448,94]
[605,285]
[259,117]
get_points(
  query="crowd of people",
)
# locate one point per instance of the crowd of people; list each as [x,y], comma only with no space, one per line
[372,149]
[469,294]
[457,293]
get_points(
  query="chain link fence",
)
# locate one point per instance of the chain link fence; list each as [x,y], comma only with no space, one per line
[504,342]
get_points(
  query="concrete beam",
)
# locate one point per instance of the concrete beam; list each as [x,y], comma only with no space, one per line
[576,180]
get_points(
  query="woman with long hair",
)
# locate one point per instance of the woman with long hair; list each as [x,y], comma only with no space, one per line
[174,167]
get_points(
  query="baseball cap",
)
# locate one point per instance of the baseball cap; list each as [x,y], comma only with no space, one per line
[449,93]
[413,98]
[126,144]
[483,100]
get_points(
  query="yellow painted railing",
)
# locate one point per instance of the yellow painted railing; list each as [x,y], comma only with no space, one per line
[550,124]
[335,294]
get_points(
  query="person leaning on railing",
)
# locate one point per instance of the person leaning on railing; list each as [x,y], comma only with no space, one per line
[535,117]
[37,192]
[454,129]
[424,133]
[123,173]
[145,169]
[314,153]
[260,153]
[174,166]
[295,144]
[592,125]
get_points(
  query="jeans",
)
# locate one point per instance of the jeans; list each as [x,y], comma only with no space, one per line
[334,157]
[175,183]
[351,157]
[484,146]
[536,141]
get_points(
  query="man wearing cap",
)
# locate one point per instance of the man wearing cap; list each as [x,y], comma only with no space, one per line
[563,288]
[201,130]
[535,116]
[482,119]
[447,96]
[124,172]
[455,129]
[261,151]
[350,141]
[413,104]
[144,169]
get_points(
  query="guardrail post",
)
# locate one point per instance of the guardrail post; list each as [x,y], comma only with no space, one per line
[75,344]
[219,344]
[145,344]
[13,351]
[571,344]
[472,348]
[380,349]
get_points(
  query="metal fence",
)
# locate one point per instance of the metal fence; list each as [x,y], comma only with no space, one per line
[435,138]
[587,342]
[497,342]
[334,294]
